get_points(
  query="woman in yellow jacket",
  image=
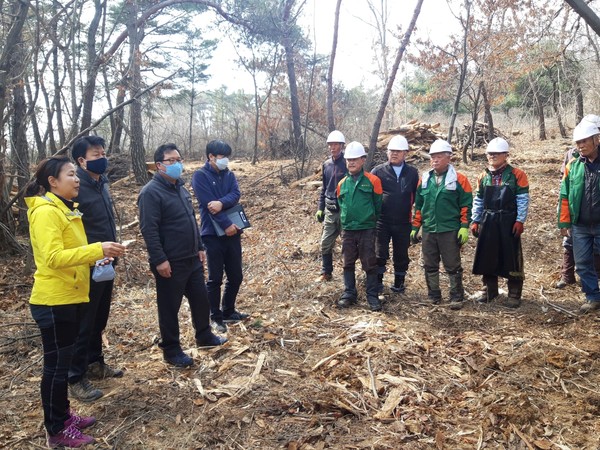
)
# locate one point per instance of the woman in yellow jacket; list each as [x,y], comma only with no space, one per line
[60,289]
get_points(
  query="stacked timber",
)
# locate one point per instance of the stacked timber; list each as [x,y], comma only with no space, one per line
[420,136]
[479,134]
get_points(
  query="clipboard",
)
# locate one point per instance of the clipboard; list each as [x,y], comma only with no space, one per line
[237,215]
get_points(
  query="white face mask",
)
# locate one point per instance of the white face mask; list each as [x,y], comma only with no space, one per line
[222,163]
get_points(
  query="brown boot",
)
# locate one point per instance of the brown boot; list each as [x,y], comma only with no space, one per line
[515,290]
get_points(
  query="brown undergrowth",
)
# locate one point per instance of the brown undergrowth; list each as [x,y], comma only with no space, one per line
[302,374]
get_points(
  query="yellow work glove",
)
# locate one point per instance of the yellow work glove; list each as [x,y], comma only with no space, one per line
[413,237]
[463,236]
[320,216]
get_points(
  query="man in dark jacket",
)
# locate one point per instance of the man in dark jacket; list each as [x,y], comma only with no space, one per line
[399,182]
[95,203]
[334,169]
[176,255]
[216,189]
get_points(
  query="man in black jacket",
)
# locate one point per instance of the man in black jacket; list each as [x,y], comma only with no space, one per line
[399,182]
[95,203]
[176,254]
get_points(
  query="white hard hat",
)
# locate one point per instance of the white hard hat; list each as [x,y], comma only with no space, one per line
[354,150]
[398,143]
[440,146]
[584,130]
[336,136]
[497,145]
[592,118]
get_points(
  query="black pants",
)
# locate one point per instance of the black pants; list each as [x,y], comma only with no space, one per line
[400,237]
[59,326]
[187,278]
[224,255]
[88,348]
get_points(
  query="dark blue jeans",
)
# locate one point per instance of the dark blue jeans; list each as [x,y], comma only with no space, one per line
[187,278]
[88,348]
[224,256]
[585,239]
[59,326]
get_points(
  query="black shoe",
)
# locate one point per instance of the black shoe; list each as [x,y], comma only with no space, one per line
[345,302]
[219,326]
[212,340]
[398,289]
[236,316]
[375,306]
[435,300]
[456,304]
[99,370]
[179,360]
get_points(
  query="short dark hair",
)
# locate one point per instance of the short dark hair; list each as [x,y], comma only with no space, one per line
[81,146]
[47,168]
[159,154]
[218,147]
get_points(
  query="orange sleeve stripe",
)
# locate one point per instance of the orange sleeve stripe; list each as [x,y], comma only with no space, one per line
[521,177]
[376,182]
[464,182]
[417,219]
[463,215]
[565,215]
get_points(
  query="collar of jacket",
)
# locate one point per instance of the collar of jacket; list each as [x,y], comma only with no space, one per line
[158,177]
[208,166]
[449,181]
[50,199]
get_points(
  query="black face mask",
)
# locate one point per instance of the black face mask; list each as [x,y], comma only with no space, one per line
[97,166]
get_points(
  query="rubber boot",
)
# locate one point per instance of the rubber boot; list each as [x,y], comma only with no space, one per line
[398,283]
[349,296]
[433,287]
[490,290]
[567,273]
[515,290]
[372,291]
[327,268]
[457,291]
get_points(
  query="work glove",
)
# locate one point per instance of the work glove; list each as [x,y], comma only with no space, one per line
[413,237]
[517,229]
[475,229]
[463,236]
[320,216]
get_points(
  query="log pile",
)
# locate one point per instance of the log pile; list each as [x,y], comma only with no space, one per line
[420,136]
[479,134]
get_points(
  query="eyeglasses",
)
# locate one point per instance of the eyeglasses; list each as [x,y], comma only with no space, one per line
[173,160]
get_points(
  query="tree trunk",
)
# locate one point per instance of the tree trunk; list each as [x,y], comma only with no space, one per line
[463,72]
[93,66]
[336,24]
[388,88]
[288,47]
[555,107]
[138,152]
[578,102]
[539,109]
[487,108]
[474,116]
[19,133]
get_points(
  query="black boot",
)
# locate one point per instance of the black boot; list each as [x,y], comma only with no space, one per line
[372,292]
[457,291]
[398,283]
[433,287]
[349,296]
[515,290]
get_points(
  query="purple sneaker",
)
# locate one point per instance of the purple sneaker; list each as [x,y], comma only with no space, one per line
[80,422]
[69,437]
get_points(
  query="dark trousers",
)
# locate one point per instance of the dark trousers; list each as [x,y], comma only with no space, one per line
[88,348]
[224,255]
[441,245]
[400,237]
[187,278]
[359,244]
[59,326]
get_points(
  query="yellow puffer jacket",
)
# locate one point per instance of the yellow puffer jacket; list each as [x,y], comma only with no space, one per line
[61,252]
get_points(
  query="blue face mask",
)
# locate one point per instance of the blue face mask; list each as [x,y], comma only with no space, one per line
[222,163]
[174,170]
[97,166]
